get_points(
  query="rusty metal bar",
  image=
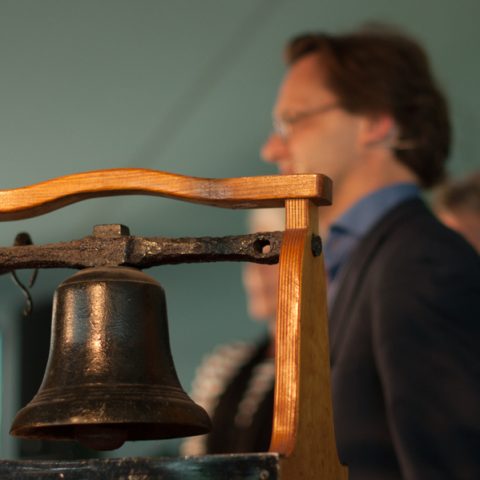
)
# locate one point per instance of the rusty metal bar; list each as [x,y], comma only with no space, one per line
[112,245]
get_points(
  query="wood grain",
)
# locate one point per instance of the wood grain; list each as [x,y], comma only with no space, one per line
[303,430]
[303,433]
[241,192]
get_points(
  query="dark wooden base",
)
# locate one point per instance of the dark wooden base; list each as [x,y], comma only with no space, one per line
[262,466]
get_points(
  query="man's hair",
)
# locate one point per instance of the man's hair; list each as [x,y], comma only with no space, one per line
[380,70]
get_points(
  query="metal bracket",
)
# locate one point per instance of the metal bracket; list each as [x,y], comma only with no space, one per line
[112,245]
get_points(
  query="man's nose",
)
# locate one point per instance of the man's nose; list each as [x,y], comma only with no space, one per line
[274,149]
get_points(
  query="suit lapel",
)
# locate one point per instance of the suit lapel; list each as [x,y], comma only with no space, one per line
[354,272]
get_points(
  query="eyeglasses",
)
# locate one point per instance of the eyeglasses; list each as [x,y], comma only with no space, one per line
[282,126]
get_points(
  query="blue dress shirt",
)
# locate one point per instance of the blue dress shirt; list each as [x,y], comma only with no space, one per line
[347,231]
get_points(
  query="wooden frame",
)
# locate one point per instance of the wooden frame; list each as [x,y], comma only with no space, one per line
[303,433]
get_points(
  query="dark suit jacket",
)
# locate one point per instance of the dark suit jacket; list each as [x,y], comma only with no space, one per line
[405,343]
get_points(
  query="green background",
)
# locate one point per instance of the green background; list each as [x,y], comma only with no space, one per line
[187,87]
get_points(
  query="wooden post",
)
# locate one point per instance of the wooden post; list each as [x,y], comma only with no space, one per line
[303,430]
[303,435]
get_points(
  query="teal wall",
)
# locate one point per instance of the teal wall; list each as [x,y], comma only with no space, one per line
[183,86]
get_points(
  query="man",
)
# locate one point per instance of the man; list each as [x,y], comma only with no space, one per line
[404,291]
[457,205]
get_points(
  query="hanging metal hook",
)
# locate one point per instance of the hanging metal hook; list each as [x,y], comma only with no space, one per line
[23,238]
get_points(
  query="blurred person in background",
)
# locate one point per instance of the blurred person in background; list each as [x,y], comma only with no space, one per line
[235,382]
[457,204]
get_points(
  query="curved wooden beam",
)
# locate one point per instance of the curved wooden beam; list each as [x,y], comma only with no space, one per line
[242,192]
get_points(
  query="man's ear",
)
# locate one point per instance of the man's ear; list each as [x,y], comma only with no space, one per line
[378,130]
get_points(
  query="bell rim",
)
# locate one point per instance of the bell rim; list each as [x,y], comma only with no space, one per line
[142,420]
[154,406]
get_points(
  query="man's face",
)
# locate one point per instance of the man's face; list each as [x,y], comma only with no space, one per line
[319,136]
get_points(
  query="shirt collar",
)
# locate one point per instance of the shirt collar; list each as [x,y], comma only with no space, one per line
[361,217]
[346,233]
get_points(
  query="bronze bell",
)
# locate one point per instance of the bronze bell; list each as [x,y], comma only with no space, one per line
[110,375]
